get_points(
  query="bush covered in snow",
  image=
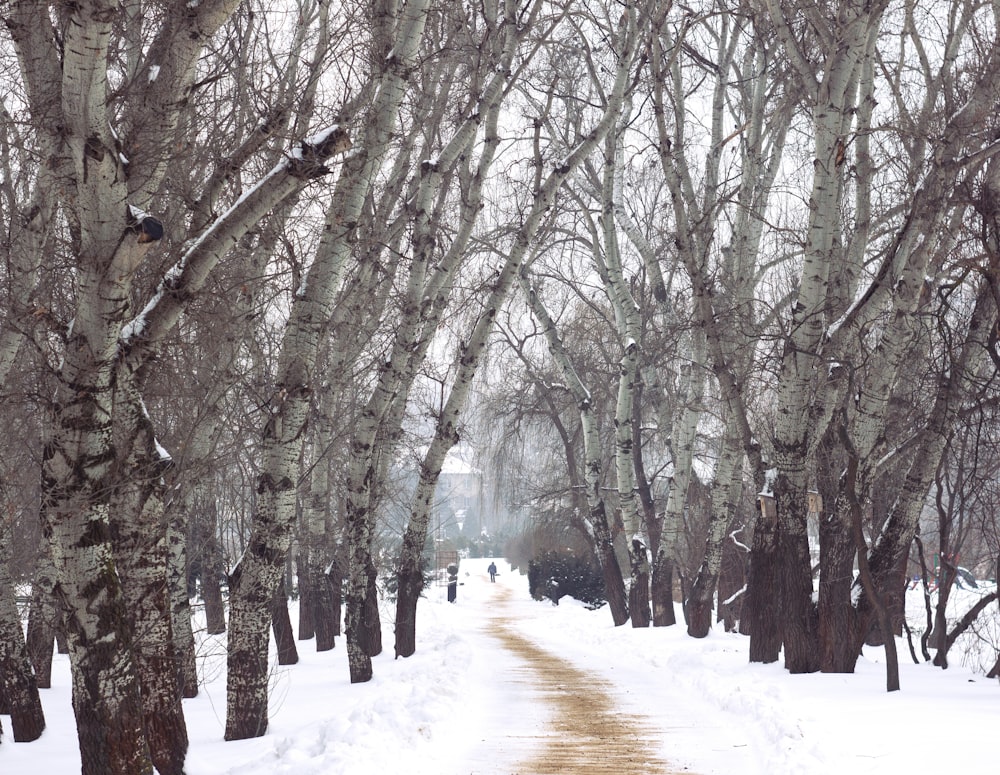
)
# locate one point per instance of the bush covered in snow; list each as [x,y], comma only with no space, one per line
[554,575]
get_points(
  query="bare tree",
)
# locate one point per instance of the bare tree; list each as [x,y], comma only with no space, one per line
[593,465]
[109,141]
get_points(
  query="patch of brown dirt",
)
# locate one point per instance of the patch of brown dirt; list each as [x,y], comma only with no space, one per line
[588,735]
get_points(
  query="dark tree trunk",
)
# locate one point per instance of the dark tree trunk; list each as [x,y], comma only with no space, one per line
[643,489]
[732,584]
[894,599]
[335,579]
[180,602]
[211,578]
[359,663]
[762,610]
[307,613]
[837,617]
[410,585]
[282,625]
[360,573]
[18,691]
[939,635]
[410,576]
[614,582]
[700,604]
[41,634]
[639,591]
[372,620]
[326,613]
[799,626]
[215,607]
[662,590]
[926,594]
[865,574]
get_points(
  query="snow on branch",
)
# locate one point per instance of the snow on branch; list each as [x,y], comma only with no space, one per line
[306,160]
[187,276]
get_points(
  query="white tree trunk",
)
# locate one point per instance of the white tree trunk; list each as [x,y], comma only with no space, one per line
[629,325]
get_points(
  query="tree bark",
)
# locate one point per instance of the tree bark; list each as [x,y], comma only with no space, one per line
[18,690]
[211,575]
[837,552]
[763,598]
[281,623]
[180,603]
[726,488]
[312,309]
[43,618]
[141,553]
[629,327]
[864,571]
[100,191]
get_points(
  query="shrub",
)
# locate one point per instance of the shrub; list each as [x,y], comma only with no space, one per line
[554,575]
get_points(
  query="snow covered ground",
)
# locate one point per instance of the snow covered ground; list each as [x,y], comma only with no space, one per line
[452,710]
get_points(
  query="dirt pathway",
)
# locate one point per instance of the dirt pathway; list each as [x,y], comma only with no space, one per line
[588,734]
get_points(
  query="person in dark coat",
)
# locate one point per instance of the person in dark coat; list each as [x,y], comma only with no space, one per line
[493,571]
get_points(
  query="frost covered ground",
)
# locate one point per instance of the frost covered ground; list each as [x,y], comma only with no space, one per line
[452,708]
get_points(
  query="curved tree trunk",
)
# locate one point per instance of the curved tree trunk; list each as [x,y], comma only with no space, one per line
[469,356]
[312,309]
[496,68]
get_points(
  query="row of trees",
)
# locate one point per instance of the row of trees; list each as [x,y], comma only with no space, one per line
[242,242]
[815,318]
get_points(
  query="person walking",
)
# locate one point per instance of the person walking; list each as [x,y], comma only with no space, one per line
[493,571]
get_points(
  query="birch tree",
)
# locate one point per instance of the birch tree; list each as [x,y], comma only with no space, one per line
[110,150]
[719,193]
[471,349]
[597,518]
[506,28]
[628,323]
[926,230]
[842,43]
[66,76]
[260,568]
